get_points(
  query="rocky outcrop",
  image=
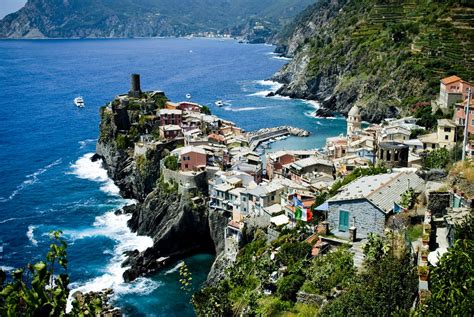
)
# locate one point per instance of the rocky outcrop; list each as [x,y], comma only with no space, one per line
[178,228]
[372,54]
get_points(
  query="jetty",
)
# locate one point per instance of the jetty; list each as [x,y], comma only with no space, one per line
[255,138]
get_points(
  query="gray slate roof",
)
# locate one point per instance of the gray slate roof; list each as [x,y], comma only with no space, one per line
[381,190]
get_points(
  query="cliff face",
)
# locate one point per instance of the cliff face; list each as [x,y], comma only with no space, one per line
[144,18]
[383,56]
[178,225]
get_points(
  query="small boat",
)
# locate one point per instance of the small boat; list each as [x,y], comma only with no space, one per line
[219,103]
[79,102]
[188,96]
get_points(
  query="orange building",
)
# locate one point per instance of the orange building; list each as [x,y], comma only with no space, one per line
[192,158]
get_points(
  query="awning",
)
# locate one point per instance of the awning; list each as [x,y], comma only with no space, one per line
[433,257]
[323,207]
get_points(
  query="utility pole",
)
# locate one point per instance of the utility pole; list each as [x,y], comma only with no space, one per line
[466,123]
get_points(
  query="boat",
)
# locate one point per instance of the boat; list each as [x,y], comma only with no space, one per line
[188,96]
[219,103]
[79,102]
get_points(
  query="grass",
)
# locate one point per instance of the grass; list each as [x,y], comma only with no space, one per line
[415,232]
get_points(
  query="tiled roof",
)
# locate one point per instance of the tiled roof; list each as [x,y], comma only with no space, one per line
[381,190]
[450,79]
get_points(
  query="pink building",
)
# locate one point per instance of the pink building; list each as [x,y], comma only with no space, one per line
[192,158]
[170,117]
[452,90]
[275,162]
[189,106]
[460,116]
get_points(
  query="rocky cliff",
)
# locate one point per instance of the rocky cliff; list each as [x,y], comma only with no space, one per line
[383,56]
[179,225]
[148,18]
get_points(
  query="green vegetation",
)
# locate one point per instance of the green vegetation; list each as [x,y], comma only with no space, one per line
[206,110]
[392,53]
[250,287]
[142,163]
[415,232]
[451,282]
[123,141]
[438,158]
[42,289]
[171,162]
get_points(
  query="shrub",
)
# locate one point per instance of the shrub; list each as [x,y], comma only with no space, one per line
[122,141]
[171,162]
[288,286]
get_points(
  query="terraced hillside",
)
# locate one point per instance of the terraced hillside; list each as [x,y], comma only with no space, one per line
[382,55]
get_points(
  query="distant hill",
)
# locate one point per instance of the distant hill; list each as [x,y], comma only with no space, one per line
[148,18]
[383,55]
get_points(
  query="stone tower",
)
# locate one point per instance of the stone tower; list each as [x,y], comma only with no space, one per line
[353,121]
[135,89]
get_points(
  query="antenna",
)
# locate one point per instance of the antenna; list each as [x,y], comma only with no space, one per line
[466,123]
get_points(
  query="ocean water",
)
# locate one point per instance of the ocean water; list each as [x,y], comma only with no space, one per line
[48,182]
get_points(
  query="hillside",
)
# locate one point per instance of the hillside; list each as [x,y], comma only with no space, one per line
[381,55]
[147,18]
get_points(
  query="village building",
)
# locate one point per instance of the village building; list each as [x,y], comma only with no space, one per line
[170,117]
[169,132]
[451,91]
[306,170]
[254,200]
[460,116]
[444,137]
[276,160]
[365,204]
[393,154]
[192,158]
[225,189]
[336,147]
[189,106]
[353,121]
[399,130]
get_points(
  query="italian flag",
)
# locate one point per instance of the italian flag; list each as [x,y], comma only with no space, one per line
[302,213]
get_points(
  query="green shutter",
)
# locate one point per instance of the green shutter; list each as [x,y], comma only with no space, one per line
[343,220]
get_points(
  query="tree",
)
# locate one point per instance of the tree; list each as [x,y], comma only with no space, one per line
[45,292]
[289,285]
[452,282]
[171,162]
[438,158]
[205,110]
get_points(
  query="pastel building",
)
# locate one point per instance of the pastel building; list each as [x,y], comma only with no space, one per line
[192,158]
[170,117]
[452,90]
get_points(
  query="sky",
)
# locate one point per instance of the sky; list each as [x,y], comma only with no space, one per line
[10,6]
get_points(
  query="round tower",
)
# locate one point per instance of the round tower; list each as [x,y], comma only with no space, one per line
[353,121]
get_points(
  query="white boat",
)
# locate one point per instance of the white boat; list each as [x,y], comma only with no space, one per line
[188,96]
[219,103]
[79,102]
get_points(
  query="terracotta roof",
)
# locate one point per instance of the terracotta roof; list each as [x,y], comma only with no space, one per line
[450,79]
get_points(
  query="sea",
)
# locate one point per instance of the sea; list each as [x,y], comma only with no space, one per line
[48,182]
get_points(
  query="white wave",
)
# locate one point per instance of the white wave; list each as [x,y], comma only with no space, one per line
[244,109]
[316,105]
[6,268]
[30,180]
[175,268]
[84,168]
[263,93]
[31,236]
[84,143]
[283,58]
[114,227]
[269,83]
[279,97]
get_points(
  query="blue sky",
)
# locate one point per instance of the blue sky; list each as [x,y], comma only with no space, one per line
[9,6]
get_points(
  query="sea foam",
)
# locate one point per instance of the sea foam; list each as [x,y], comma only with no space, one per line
[31,236]
[84,168]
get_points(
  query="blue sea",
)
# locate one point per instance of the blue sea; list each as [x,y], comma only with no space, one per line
[48,182]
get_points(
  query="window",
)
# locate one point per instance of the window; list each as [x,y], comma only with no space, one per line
[447,129]
[446,137]
[472,123]
[433,146]
[343,220]
[185,165]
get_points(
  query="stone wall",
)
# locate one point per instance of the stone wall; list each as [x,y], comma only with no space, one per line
[438,202]
[187,181]
[312,299]
[367,218]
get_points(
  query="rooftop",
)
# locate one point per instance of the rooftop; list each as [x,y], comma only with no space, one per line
[195,149]
[392,145]
[310,161]
[171,127]
[381,190]
[446,123]
[450,79]
[170,111]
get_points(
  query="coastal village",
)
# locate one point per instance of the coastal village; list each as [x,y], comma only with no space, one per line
[365,182]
